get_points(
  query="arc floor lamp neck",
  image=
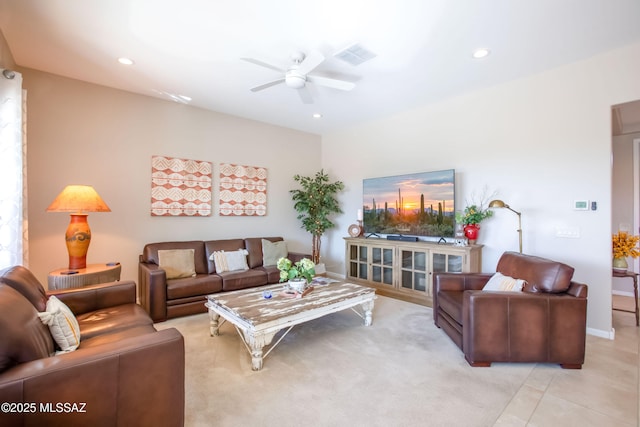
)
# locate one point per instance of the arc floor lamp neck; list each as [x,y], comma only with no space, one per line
[79,200]
[501,204]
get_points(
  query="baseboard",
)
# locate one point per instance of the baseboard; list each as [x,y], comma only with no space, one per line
[622,293]
[602,334]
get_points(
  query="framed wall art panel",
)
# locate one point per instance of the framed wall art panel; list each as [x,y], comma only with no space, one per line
[243,190]
[180,187]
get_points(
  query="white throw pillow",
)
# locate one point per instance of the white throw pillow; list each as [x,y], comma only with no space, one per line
[62,323]
[500,282]
[230,261]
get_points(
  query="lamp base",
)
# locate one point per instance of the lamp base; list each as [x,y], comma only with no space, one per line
[78,238]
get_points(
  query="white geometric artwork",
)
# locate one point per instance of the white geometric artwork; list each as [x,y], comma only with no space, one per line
[180,187]
[243,190]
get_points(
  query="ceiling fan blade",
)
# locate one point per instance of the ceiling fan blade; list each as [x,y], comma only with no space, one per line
[263,64]
[305,95]
[266,85]
[332,83]
[310,62]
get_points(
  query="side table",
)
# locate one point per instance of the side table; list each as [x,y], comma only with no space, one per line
[634,277]
[93,274]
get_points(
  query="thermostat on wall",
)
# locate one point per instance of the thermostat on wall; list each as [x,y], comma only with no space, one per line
[581,205]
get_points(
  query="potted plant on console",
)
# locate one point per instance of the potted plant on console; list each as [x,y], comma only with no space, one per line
[315,202]
[473,215]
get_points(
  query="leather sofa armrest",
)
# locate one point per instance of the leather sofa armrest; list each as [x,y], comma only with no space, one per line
[456,282]
[95,297]
[153,290]
[133,381]
[524,327]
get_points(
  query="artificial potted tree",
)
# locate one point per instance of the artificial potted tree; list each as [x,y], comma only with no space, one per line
[315,202]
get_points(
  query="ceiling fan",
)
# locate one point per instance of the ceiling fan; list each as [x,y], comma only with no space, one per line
[297,75]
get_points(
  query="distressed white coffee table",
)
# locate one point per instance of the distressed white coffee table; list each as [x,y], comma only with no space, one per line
[257,319]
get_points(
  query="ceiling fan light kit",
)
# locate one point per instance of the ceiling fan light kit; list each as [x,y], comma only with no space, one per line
[298,75]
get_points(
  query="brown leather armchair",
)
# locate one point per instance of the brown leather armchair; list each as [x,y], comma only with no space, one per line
[545,323]
[123,373]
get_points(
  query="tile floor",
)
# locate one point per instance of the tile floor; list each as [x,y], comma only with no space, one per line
[604,393]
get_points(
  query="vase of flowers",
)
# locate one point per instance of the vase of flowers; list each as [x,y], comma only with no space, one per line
[298,274]
[473,215]
[624,245]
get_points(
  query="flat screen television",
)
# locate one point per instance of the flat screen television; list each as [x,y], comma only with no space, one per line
[417,204]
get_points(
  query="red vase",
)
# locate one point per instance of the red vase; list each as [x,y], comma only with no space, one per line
[471,232]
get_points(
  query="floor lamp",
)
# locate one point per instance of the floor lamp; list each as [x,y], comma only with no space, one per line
[79,200]
[501,204]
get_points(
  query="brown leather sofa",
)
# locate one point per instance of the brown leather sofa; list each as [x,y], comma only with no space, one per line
[165,299]
[124,372]
[546,322]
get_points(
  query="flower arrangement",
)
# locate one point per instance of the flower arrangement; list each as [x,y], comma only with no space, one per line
[474,214]
[625,245]
[304,269]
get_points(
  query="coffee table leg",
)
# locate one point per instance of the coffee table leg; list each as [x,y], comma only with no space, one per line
[367,308]
[256,345]
[213,323]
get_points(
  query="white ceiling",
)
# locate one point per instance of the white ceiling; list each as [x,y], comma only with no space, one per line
[423,47]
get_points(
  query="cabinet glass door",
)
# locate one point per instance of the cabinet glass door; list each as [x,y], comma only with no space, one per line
[414,270]
[443,263]
[446,263]
[358,262]
[382,265]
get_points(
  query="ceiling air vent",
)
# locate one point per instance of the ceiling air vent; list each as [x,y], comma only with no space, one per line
[355,54]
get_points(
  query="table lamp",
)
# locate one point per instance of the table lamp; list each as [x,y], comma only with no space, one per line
[501,204]
[78,199]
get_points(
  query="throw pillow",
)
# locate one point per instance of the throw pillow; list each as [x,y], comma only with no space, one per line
[500,282]
[177,263]
[273,251]
[230,261]
[62,323]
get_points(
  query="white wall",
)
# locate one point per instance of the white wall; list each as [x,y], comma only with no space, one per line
[541,142]
[80,133]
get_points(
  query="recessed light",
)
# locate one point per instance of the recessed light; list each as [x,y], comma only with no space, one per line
[317,116]
[125,61]
[481,53]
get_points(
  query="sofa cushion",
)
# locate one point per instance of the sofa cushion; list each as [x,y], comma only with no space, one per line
[24,336]
[150,253]
[541,275]
[177,263]
[62,323]
[23,281]
[115,336]
[230,260]
[273,251]
[272,272]
[500,282]
[202,284]
[233,280]
[451,303]
[111,319]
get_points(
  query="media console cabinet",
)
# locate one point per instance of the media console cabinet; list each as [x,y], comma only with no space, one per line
[405,270]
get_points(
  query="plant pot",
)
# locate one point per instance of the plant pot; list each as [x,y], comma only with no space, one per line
[471,232]
[298,285]
[620,265]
